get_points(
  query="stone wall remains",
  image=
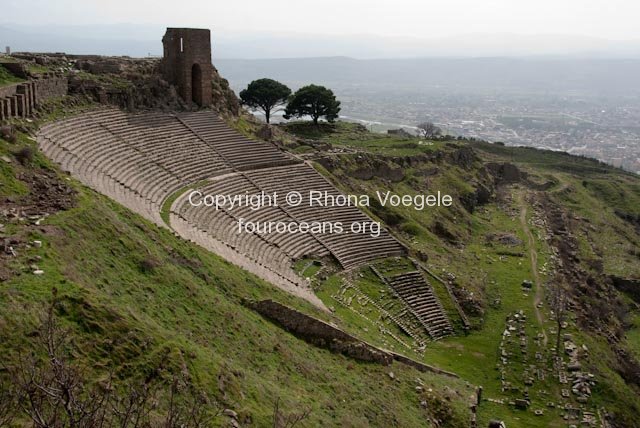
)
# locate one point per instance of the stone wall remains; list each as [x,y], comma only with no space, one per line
[51,87]
[16,68]
[19,100]
[320,333]
[421,366]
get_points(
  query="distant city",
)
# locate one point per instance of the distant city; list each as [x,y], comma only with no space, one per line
[581,126]
[575,94]
[585,112]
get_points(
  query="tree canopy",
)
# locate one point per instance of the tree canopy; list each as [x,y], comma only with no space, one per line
[315,101]
[265,95]
[428,129]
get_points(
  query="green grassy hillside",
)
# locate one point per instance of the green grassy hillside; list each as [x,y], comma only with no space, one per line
[141,303]
[485,250]
[7,78]
[142,306]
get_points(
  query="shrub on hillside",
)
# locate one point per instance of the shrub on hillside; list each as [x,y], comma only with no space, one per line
[148,265]
[49,389]
[388,216]
[8,133]
[24,155]
[410,228]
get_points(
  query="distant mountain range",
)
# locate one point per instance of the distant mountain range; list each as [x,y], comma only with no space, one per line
[544,64]
[143,40]
[605,77]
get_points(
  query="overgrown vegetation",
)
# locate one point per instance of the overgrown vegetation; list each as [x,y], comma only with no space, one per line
[139,303]
[486,272]
[46,388]
[347,134]
[6,78]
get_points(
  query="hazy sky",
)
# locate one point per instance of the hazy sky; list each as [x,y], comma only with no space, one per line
[609,19]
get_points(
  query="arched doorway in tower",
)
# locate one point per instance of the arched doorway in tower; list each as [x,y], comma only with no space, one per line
[196,84]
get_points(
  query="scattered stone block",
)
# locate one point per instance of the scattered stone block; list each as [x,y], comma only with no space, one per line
[230,413]
[574,366]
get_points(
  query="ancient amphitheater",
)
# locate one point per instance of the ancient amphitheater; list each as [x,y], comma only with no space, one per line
[144,160]
[151,162]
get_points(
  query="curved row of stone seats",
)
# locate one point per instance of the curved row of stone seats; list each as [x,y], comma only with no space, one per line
[350,249]
[166,141]
[101,181]
[239,151]
[293,245]
[96,146]
[418,294]
[188,231]
[140,160]
[92,142]
[222,226]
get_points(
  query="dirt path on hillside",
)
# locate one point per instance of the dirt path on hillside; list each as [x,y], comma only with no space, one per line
[533,256]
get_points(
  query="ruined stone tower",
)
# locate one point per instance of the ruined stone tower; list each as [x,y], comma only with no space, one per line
[187,63]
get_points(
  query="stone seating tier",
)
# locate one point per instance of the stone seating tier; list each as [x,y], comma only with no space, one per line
[141,160]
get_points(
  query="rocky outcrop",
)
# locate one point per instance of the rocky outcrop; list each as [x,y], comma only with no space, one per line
[18,69]
[131,90]
[505,173]
[633,219]
[136,83]
[464,157]
[377,169]
[629,286]
[225,100]
[101,65]
[443,232]
[480,196]
[367,166]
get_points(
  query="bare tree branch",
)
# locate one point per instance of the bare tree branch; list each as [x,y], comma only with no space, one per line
[281,420]
[428,129]
[54,393]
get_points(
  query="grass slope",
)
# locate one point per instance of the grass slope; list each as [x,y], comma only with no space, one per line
[136,297]
[592,193]
[6,78]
